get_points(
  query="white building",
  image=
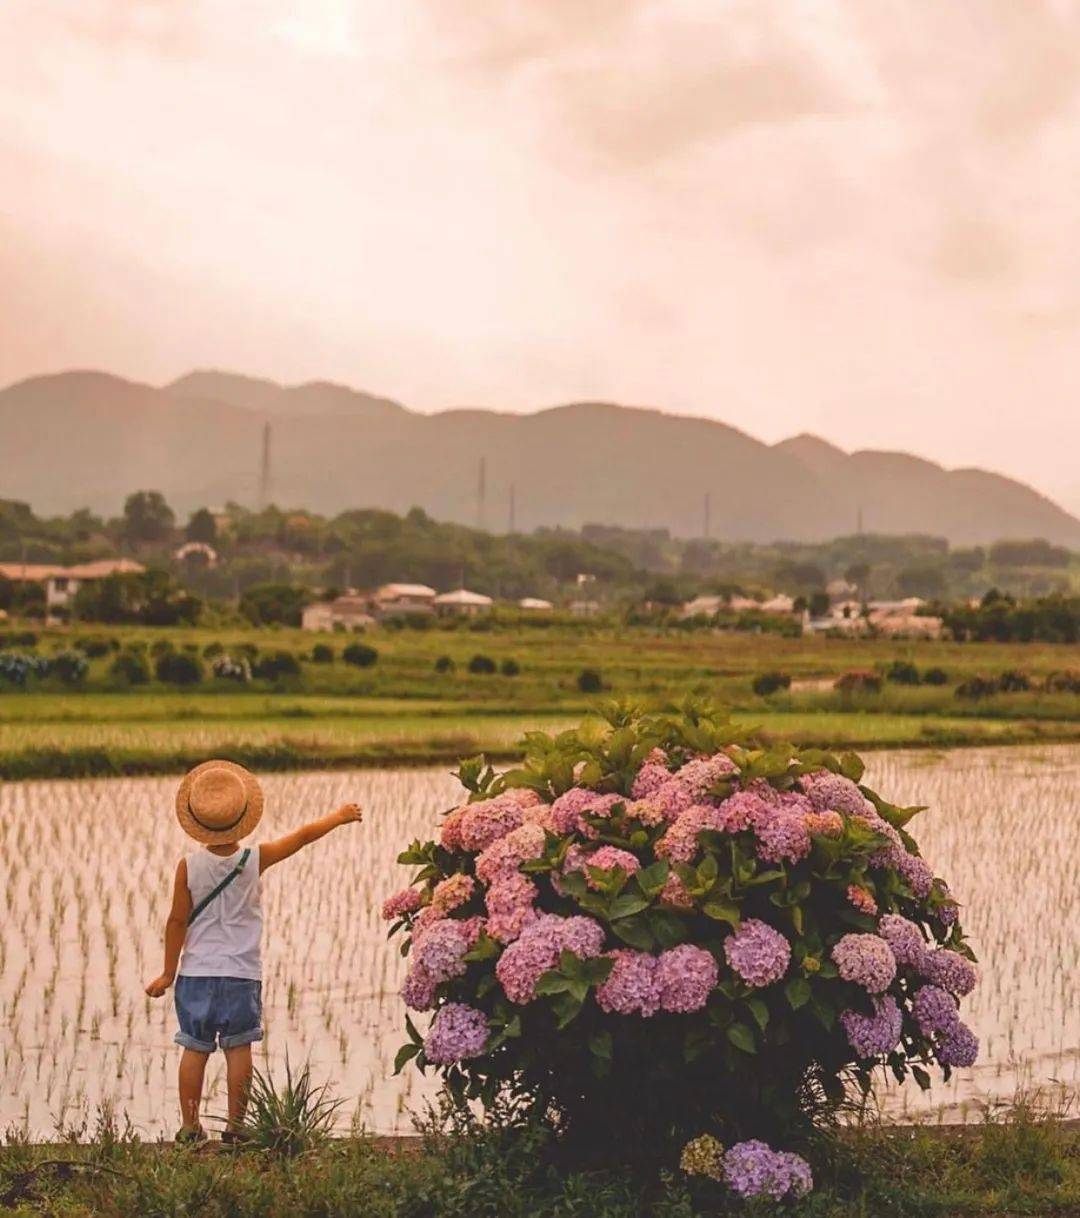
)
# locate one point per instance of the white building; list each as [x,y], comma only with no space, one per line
[63,583]
[462,603]
[348,612]
[534,604]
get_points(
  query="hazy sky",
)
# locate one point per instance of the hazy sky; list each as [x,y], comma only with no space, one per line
[853,217]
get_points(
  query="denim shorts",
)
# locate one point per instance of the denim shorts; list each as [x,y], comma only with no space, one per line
[212,1011]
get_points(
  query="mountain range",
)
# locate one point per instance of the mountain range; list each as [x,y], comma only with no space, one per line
[85,439]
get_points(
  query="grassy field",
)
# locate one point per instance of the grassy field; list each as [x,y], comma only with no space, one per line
[401,710]
[1025,1165]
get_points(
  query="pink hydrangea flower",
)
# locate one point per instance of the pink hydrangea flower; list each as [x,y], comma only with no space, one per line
[686,975]
[680,842]
[486,821]
[758,953]
[537,950]
[744,810]
[450,831]
[782,837]
[702,773]
[632,987]
[825,824]
[649,779]
[862,899]
[568,811]
[866,960]
[671,799]
[407,901]
[510,906]
[834,792]
[452,892]
[503,857]
[646,812]
[674,894]
[607,858]
[457,1032]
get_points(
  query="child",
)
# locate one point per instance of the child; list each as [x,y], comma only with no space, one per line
[217,920]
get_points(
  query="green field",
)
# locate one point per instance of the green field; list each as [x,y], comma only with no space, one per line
[402,711]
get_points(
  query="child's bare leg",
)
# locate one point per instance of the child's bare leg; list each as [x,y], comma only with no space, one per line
[192,1070]
[238,1074]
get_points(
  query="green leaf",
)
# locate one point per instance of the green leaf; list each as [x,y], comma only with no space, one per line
[798,992]
[651,879]
[759,1011]
[414,1035]
[851,766]
[921,1077]
[485,948]
[566,1008]
[601,1044]
[404,1055]
[721,911]
[668,927]
[552,982]
[742,1038]
[636,932]
[627,905]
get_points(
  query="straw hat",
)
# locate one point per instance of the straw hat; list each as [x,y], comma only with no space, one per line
[219,802]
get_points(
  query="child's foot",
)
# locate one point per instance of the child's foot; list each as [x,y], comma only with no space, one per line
[235,1137]
[190,1135]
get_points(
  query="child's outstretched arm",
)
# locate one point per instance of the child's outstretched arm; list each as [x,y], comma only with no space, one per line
[175,932]
[273,852]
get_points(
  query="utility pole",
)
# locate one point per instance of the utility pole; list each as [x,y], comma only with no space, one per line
[481,495]
[708,515]
[858,520]
[264,472]
[513,510]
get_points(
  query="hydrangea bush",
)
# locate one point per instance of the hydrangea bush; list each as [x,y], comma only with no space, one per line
[661,927]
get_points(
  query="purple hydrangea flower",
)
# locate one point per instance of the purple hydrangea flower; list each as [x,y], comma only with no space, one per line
[485,822]
[418,990]
[439,950]
[680,842]
[503,857]
[745,809]
[537,950]
[687,976]
[958,1047]
[510,906]
[758,953]
[877,1034]
[915,872]
[934,1010]
[866,960]
[632,987]
[607,858]
[830,792]
[782,837]
[905,940]
[949,969]
[457,1032]
[753,1169]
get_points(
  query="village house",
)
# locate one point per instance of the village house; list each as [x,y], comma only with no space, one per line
[347,612]
[462,603]
[397,600]
[535,604]
[63,583]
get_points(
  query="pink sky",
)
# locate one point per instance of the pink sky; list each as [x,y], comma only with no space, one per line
[851,218]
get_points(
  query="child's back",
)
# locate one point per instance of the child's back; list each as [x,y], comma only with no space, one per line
[225,940]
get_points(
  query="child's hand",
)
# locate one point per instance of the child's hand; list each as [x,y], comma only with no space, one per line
[159,985]
[348,813]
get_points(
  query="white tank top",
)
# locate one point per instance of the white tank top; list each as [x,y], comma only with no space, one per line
[225,940]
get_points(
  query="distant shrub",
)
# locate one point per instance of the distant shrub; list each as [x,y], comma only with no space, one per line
[859,681]
[510,668]
[322,653]
[589,681]
[977,687]
[1065,682]
[18,638]
[161,647]
[482,664]
[130,667]
[96,646]
[1014,682]
[16,668]
[225,668]
[444,664]
[360,655]
[211,650]
[178,668]
[766,683]
[275,665]
[902,672]
[70,666]
[935,676]
[248,650]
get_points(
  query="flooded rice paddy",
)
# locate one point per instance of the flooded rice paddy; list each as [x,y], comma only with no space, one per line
[85,875]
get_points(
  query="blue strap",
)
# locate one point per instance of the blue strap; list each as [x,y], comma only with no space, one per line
[220,888]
